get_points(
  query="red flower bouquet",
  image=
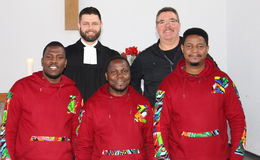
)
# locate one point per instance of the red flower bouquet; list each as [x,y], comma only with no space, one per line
[130,53]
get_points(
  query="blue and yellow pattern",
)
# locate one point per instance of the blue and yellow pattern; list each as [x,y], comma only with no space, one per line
[242,145]
[235,89]
[221,83]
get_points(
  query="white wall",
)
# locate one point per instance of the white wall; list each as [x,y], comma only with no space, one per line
[28,25]
[132,22]
[243,62]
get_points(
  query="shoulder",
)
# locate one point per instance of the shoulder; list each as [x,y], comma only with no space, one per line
[22,81]
[74,46]
[137,96]
[147,57]
[107,50]
[149,51]
[170,80]
[220,76]
[21,86]
[71,85]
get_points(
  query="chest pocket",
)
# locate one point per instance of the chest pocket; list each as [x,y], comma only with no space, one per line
[141,114]
[71,108]
[220,85]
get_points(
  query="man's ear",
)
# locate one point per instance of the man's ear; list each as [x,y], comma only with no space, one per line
[208,49]
[182,48]
[78,25]
[106,75]
[66,63]
[42,62]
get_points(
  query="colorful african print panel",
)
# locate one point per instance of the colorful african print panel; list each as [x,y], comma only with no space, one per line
[160,150]
[141,113]
[49,138]
[120,152]
[3,150]
[201,134]
[220,84]
[242,145]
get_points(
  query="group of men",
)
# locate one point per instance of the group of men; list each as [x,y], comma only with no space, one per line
[92,111]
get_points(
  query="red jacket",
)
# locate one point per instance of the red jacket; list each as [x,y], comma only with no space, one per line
[114,128]
[39,118]
[191,116]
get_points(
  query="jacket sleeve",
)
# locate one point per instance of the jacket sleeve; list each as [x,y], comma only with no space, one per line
[236,119]
[10,123]
[161,124]
[148,136]
[84,141]
[77,119]
[136,74]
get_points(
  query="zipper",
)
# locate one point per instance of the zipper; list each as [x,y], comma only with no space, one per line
[168,59]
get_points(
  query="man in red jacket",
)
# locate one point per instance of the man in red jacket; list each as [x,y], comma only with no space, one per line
[117,123]
[194,104]
[39,112]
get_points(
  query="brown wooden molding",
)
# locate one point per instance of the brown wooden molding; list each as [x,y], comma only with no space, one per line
[71,14]
[3,97]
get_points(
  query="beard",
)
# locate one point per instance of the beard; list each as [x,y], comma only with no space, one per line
[194,64]
[90,38]
[52,76]
[119,90]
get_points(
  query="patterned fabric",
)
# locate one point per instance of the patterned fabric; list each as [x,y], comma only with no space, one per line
[120,152]
[242,145]
[160,150]
[3,149]
[49,138]
[201,134]
[235,88]
[220,84]
[73,104]
[79,121]
[141,114]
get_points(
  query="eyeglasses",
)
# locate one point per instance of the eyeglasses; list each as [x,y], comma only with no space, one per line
[170,21]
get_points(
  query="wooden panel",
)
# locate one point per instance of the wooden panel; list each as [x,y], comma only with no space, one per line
[3,97]
[71,14]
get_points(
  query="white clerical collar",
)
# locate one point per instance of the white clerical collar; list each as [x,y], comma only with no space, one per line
[87,45]
[90,53]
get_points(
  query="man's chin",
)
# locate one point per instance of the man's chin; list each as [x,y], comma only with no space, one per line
[52,76]
[90,39]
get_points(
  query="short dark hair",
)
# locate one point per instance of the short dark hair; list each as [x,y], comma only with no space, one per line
[51,44]
[89,10]
[115,58]
[196,31]
[168,9]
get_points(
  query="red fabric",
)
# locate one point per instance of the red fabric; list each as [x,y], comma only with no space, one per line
[190,105]
[108,124]
[38,108]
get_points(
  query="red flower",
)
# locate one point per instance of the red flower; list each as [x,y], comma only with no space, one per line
[131,51]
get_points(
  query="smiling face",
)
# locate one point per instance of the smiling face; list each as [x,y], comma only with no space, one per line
[90,27]
[53,63]
[168,26]
[195,50]
[118,77]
